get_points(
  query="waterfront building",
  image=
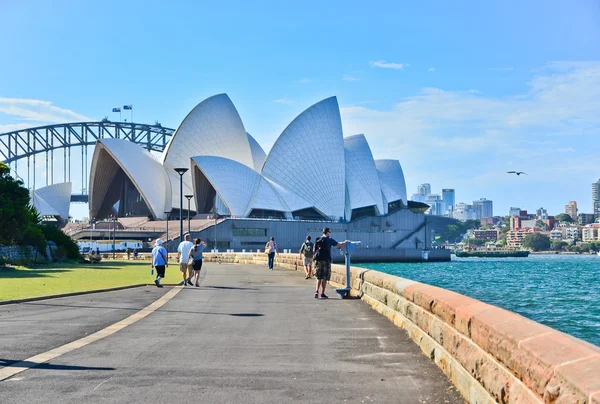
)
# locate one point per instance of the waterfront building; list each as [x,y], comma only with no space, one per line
[491,221]
[448,196]
[514,238]
[571,210]
[484,208]
[489,235]
[571,232]
[556,235]
[589,234]
[586,218]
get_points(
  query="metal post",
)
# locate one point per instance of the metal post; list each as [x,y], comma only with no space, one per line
[114,234]
[181,171]
[347,251]
[167,240]
[189,197]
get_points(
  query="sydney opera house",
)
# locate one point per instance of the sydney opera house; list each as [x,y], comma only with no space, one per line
[312,174]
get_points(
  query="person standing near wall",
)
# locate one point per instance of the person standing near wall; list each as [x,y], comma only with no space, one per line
[159,261]
[323,246]
[270,250]
[183,253]
[306,254]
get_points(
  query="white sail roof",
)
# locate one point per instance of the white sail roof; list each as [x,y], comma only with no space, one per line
[141,167]
[308,158]
[258,154]
[391,179]
[53,200]
[361,174]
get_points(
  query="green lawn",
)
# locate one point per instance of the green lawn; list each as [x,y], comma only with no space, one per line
[22,283]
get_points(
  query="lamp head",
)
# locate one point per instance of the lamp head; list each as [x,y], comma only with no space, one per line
[181,170]
[189,196]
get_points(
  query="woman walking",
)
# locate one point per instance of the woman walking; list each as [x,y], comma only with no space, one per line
[196,256]
[160,260]
[271,249]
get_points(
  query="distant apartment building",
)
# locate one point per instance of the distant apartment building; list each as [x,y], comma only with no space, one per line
[514,211]
[464,212]
[596,198]
[541,214]
[586,218]
[491,221]
[484,208]
[436,205]
[556,235]
[424,189]
[571,210]
[514,238]
[489,235]
[571,233]
[589,234]
[448,196]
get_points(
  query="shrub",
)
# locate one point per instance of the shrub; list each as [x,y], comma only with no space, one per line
[65,246]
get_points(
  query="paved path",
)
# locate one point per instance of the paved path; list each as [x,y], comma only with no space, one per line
[247,335]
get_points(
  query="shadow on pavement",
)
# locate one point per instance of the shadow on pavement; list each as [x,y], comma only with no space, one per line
[223,288]
[48,366]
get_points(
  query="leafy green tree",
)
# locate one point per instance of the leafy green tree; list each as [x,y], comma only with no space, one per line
[563,217]
[475,242]
[536,242]
[558,245]
[65,245]
[17,217]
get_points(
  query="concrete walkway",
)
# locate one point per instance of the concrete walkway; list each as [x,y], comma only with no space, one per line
[247,335]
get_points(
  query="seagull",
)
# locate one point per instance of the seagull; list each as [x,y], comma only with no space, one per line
[516,172]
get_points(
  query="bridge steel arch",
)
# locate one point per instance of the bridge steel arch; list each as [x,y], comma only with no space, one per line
[29,142]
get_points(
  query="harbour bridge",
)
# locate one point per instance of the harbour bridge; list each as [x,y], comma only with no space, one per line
[19,149]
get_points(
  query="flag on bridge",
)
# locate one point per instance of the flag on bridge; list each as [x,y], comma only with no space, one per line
[126,107]
[116,109]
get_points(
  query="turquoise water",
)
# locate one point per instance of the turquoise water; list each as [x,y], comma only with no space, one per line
[560,291]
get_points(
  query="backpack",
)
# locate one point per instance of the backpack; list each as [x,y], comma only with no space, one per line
[308,249]
[319,246]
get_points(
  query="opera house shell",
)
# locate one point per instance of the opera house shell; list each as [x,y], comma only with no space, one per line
[311,172]
[53,201]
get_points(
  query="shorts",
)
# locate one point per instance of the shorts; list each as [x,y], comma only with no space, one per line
[198,265]
[323,270]
[307,261]
[160,270]
[184,267]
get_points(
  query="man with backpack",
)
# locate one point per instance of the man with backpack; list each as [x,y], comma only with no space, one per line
[322,258]
[306,254]
[160,260]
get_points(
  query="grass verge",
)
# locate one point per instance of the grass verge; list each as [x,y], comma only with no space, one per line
[23,283]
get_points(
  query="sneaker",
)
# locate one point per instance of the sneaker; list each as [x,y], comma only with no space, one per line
[190,283]
[197,285]
[316,295]
[159,285]
[156,283]
[307,277]
[324,296]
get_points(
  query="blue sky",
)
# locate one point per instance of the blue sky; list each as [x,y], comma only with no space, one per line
[459,92]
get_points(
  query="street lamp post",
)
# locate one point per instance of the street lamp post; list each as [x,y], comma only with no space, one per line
[188,197]
[114,234]
[167,240]
[181,171]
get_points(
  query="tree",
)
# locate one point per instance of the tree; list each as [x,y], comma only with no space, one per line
[475,242]
[17,217]
[558,245]
[541,225]
[66,247]
[563,217]
[536,242]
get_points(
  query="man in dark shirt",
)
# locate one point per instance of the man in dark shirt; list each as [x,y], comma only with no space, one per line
[322,256]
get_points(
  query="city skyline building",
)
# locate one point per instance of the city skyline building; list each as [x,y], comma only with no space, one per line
[484,208]
[571,210]
[448,197]
[424,189]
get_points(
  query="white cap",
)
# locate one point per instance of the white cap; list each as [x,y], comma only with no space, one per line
[158,242]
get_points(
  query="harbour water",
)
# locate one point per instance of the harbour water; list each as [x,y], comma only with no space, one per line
[560,291]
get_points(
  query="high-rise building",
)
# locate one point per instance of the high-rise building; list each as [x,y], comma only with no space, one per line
[436,203]
[424,189]
[418,198]
[596,198]
[448,196]
[484,208]
[464,212]
[541,214]
[514,211]
[585,218]
[571,210]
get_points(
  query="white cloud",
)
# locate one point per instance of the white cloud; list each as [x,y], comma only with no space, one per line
[431,70]
[348,77]
[304,81]
[38,111]
[14,127]
[453,136]
[283,100]
[388,65]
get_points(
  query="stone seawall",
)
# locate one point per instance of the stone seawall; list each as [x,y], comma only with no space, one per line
[490,354]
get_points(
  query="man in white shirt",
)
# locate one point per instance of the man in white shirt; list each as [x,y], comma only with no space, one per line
[183,255]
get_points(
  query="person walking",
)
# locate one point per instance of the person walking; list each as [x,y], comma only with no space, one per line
[135,254]
[159,261]
[183,254]
[128,252]
[306,254]
[322,258]
[271,249]
[196,256]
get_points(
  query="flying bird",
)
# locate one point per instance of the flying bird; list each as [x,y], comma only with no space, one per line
[516,172]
